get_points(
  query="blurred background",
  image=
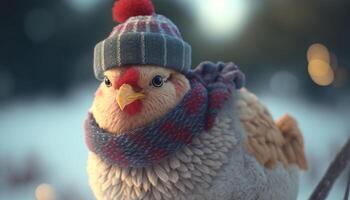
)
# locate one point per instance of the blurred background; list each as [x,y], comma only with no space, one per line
[295,54]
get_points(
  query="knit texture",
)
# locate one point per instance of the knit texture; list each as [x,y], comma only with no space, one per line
[211,86]
[215,166]
[143,40]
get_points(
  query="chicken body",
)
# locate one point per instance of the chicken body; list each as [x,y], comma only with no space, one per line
[244,156]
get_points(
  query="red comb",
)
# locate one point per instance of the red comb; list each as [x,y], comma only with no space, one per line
[130,76]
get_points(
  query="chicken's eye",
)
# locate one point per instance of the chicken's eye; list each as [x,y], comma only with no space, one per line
[107,82]
[157,81]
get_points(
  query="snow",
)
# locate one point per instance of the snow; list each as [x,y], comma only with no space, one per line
[325,130]
[53,129]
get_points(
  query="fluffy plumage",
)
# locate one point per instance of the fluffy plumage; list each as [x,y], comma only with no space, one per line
[245,155]
[158,101]
[268,141]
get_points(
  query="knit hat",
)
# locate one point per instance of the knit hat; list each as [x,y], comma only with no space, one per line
[141,38]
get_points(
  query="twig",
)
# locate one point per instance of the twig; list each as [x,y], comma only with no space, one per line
[334,170]
[347,190]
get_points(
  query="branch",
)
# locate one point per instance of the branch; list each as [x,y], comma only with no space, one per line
[347,191]
[334,170]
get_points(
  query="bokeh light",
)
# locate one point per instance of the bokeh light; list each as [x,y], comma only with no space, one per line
[45,192]
[318,52]
[324,80]
[39,25]
[83,5]
[319,68]
[222,19]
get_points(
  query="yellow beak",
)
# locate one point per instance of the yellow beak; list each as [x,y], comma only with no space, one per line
[126,95]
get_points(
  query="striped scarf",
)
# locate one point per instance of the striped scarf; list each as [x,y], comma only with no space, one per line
[211,86]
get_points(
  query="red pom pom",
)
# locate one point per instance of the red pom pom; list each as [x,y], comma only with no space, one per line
[124,9]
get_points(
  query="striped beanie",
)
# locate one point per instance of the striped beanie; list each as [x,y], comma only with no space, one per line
[141,38]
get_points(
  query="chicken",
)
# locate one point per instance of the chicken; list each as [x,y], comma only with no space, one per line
[155,100]
[159,130]
[245,155]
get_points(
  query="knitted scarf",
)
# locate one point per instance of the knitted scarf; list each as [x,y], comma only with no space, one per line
[211,86]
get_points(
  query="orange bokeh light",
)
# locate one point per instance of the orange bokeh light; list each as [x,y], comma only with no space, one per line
[44,192]
[324,80]
[318,52]
[319,67]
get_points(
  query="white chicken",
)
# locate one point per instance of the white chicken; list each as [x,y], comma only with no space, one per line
[157,131]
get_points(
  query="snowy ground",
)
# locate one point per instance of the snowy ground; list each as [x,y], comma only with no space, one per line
[325,131]
[52,129]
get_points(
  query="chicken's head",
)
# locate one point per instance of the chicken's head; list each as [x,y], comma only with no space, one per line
[130,97]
